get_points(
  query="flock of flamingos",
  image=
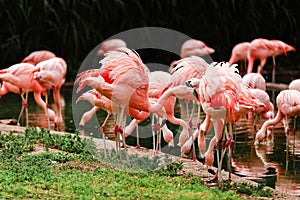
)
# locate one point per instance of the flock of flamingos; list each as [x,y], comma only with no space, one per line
[123,86]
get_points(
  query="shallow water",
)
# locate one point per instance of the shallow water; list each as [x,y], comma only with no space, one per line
[271,163]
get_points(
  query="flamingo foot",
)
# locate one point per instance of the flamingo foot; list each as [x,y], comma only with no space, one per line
[194,158]
[118,129]
[138,146]
[155,153]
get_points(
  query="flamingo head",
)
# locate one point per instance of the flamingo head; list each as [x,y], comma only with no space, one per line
[260,135]
[285,48]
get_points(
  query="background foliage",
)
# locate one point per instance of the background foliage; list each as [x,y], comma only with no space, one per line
[71,29]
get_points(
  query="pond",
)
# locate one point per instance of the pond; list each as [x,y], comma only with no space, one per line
[277,164]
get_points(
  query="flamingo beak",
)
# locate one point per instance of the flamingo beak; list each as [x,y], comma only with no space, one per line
[189,84]
[163,123]
[195,93]
[202,160]
[291,48]
[209,50]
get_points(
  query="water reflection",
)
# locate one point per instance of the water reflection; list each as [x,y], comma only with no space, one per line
[276,163]
[10,106]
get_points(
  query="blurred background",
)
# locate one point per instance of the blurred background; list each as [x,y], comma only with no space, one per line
[71,29]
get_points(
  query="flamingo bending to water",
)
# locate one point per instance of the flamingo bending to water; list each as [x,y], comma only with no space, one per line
[288,104]
[51,74]
[20,76]
[129,83]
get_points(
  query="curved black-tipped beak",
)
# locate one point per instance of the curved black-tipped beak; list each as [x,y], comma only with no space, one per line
[163,123]
[202,160]
[189,84]
[195,93]
[211,171]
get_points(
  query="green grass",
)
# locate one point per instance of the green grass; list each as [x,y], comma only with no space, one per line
[74,173]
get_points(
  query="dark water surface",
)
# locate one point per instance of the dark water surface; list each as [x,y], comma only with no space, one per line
[277,164]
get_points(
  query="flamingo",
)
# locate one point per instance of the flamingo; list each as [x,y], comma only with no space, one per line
[184,70]
[38,56]
[288,104]
[239,53]
[130,84]
[158,82]
[194,47]
[267,111]
[51,74]
[218,94]
[224,98]
[261,49]
[99,102]
[255,80]
[20,76]
[295,85]
[109,45]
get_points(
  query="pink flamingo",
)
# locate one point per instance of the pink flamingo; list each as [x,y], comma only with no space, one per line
[295,85]
[224,98]
[245,102]
[261,49]
[194,47]
[255,80]
[20,76]
[219,99]
[99,102]
[239,53]
[182,71]
[130,84]
[158,82]
[288,104]
[51,74]
[266,111]
[109,45]
[38,56]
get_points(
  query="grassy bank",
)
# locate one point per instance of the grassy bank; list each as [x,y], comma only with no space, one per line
[40,165]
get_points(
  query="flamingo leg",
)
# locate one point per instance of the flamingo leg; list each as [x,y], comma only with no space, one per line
[273,70]
[218,128]
[103,134]
[153,128]
[138,146]
[229,144]
[294,135]
[122,123]
[198,122]
[158,136]
[47,105]
[217,148]
[56,97]
[286,126]
[190,122]
[24,105]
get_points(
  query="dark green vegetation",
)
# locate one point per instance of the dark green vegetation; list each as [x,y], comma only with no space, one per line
[74,173]
[71,29]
